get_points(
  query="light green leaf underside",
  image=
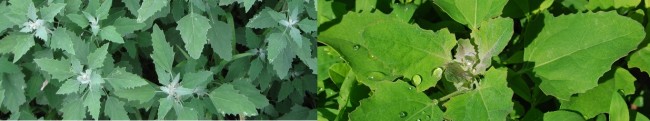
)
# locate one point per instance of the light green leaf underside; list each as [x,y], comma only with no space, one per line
[491,101]
[398,101]
[121,79]
[194,30]
[149,7]
[377,54]
[562,115]
[597,100]
[471,12]
[229,101]
[60,69]
[587,43]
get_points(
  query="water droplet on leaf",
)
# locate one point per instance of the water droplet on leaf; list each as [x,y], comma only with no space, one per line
[376,76]
[417,79]
[356,47]
[403,114]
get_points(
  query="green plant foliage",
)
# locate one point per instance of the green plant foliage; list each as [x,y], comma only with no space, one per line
[477,60]
[158,59]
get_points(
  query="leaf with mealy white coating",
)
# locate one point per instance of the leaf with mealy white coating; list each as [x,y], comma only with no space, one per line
[490,101]
[227,100]
[97,57]
[194,32]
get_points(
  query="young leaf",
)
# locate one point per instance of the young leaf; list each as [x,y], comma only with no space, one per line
[149,7]
[69,86]
[491,38]
[48,13]
[418,105]
[163,54]
[102,12]
[558,47]
[114,109]
[16,43]
[109,33]
[263,19]
[60,69]
[618,108]
[227,100]
[279,54]
[491,100]
[97,57]
[194,30]
[121,79]
[164,107]
[92,102]
[196,79]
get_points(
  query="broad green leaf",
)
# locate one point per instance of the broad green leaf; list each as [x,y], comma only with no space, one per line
[60,69]
[163,53]
[193,80]
[639,59]
[491,100]
[149,7]
[73,110]
[263,19]
[491,38]
[126,26]
[255,68]
[194,31]
[13,85]
[280,53]
[121,79]
[227,100]
[102,12]
[221,42]
[327,57]
[572,43]
[609,4]
[618,108]
[285,90]
[365,5]
[246,88]
[141,94]
[8,67]
[471,12]
[398,101]
[69,86]
[78,19]
[114,109]
[132,6]
[61,40]
[299,113]
[92,101]
[377,54]
[308,25]
[109,33]
[164,107]
[48,13]
[16,43]
[97,57]
[562,115]
[597,100]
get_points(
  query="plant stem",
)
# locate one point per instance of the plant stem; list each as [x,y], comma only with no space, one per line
[446,97]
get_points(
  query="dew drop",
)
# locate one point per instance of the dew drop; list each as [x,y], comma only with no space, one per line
[376,76]
[419,120]
[417,79]
[403,114]
[356,47]
[428,116]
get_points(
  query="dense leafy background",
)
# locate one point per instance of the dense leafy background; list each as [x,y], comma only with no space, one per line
[481,60]
[157,59]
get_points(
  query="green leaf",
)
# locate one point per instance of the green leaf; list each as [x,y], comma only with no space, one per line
[491,38]
[365,5]
[72,110]
[221,42]
[639,59]
[78,19]
[194,30]
[69,86]
[327,57]
[92,101]
[491,100]
[376,54]
[114,109]
[411,105]
[618,108]
[280,54]
[562,115]
[109,33]
[246,88]
[285,90]
[227,100]
[16,43]
[597,100]
[609,4]
[308,25]
[126,26]
[121,79]
[13,85]
[149,7]
[164,107]
[193,80]
[163,53]
[97,57]
[102,12]
[471,12]
[48,13]
[142,94]
[570,39]
[263,19]
[61,40]
[60,69]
